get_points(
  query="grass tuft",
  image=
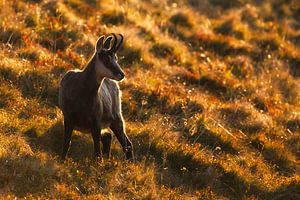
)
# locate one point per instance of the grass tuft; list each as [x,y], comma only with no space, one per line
[35,84]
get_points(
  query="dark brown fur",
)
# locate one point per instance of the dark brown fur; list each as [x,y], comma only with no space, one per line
[91,103]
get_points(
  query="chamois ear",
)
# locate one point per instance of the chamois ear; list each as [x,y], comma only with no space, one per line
[99,43]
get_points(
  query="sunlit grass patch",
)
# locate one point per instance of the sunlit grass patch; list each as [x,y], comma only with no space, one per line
[85,48]
[35,84]
[54,33]
[57,37]
[17,160]
[7,96]
[78,6]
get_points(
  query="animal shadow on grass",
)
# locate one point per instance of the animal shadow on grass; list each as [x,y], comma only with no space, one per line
[52,141]
[179,169]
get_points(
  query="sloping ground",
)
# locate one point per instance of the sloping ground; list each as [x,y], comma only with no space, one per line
[211,99]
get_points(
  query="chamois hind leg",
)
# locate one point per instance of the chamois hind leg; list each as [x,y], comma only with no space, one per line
[67,138]
[118,128]
[106,142]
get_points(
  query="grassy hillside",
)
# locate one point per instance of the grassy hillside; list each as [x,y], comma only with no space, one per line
[211,99]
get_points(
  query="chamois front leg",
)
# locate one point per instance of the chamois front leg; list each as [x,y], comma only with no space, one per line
[117,126]
[96,134]
[106,142]
[67,138]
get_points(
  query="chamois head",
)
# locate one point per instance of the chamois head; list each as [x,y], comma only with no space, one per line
[106,59]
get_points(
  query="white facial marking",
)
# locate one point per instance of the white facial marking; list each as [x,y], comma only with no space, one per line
[102,71]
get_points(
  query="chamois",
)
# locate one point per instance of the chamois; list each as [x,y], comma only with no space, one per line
[90,99]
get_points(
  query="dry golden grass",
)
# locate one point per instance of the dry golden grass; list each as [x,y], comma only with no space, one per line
[211,99]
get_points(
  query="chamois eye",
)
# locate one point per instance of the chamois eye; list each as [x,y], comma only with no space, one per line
[108,58]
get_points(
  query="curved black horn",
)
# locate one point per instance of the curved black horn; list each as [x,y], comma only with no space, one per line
[106,43]
[120,42]
[113,47]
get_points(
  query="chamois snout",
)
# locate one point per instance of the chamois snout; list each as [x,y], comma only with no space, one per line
[120,76]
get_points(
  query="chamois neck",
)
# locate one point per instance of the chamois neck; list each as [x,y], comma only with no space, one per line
[92,82]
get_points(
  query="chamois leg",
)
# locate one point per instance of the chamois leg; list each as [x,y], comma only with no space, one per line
[96,134]
[67,139]
[117,127]
[106,142]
